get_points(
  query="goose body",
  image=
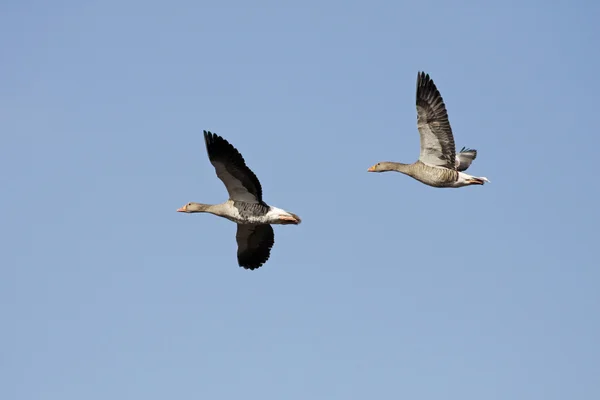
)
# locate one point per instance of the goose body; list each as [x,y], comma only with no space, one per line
[438,165]
[245,206]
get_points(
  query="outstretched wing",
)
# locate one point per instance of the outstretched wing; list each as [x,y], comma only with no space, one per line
[254,244]
[465,158]
[241,183]
[437,142]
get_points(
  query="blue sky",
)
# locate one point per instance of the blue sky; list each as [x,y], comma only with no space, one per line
[388,289]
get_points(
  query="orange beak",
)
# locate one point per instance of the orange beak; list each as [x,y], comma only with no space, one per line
[371,169]
[182,209]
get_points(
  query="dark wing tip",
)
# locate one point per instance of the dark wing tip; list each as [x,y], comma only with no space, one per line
[422,78]
[426,88]
[429,96]
[212,138]
[253,259]
[217,146]
[468,150]
[251,263]
[209,137]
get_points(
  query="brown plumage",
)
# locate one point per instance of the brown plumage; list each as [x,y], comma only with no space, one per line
[438,164]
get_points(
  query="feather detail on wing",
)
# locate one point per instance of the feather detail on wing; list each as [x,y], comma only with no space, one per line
[465,158]
[254,244]
[437,142]
[241,183]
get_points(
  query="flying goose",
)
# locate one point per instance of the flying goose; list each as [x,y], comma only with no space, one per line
[438,164]
[245,206]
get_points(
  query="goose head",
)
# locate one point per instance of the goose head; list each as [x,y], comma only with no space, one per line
[193,208]
[385,166]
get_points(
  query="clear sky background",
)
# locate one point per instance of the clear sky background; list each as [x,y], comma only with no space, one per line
[389,289]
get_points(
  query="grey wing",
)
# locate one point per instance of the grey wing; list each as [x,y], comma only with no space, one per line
[437,142]
[254,244]
[465,158]
[241,183]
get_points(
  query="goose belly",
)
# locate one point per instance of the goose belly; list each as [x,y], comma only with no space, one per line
[437,177]
[248,213]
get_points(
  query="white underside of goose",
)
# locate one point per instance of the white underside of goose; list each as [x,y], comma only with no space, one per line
[279,216]
[466,179]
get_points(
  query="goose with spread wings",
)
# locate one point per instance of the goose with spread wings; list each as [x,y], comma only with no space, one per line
[438,164]
[245,205]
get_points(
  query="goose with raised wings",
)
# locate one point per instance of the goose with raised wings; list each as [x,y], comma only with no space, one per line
[245,205]
[438,164]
